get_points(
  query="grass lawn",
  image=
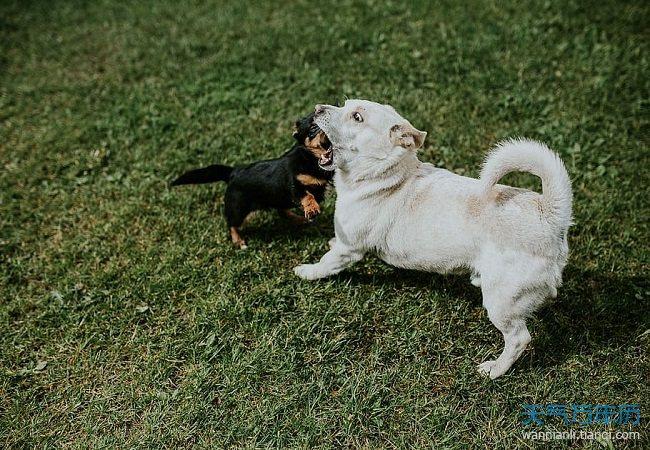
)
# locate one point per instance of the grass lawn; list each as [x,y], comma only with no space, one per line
[128,320]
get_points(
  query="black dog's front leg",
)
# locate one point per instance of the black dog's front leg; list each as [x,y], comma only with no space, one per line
[309,205]
[308,190]
[307,201]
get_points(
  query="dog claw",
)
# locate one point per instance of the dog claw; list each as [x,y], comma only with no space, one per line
[310,206]
[311,213]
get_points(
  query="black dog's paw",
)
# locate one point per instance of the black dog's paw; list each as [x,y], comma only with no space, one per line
[311,207]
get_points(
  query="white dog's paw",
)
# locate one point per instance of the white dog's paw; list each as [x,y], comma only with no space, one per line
[492,368]
[308,271]
[476,281]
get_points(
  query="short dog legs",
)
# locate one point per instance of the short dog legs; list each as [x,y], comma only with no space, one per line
[338,258]
[515,334]
[237,239]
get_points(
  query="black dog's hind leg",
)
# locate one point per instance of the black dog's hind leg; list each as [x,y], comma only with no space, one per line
[236,210]
[237,239]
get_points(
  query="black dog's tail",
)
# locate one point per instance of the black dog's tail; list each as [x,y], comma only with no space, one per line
[210,174]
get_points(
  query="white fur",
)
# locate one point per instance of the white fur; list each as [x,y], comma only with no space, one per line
[416,216]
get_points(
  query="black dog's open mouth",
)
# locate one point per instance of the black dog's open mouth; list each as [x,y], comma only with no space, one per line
[326,161]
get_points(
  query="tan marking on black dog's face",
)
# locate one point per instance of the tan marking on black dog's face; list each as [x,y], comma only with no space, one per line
[318,145]
[314,140]
[310,180]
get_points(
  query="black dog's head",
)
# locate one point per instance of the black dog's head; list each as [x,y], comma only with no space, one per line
[308,134]
[306,129]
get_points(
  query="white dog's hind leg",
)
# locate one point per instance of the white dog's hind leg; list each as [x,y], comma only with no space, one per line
[515,334]
[338,258]
[516,337]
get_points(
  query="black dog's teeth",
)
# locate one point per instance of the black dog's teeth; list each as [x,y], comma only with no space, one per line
[327,159]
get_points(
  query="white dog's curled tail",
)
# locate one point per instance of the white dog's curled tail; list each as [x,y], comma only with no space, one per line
[523,155]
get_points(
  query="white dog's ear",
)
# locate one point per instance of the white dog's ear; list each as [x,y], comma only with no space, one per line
[407,136]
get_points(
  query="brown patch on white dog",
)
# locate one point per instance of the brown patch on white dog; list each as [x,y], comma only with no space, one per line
[505,194]
[474,206]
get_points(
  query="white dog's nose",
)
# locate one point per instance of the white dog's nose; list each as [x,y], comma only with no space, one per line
[320,109]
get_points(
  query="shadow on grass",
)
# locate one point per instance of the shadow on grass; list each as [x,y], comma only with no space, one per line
[271,226]
[593,310]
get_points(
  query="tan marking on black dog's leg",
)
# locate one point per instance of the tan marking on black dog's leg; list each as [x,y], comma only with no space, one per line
[310,180]
[237,239]
[293,217]
[310,206]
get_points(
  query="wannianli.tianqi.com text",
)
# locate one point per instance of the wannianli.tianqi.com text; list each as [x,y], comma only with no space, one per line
[581,435]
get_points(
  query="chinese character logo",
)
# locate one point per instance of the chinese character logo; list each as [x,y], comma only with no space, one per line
[582,414]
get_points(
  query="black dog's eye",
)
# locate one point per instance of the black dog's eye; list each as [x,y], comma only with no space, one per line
[313,131]
[357,117]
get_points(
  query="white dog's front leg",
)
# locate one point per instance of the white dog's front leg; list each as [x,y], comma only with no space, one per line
[338,258]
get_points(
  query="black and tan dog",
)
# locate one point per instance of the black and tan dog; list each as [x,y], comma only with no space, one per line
[297,178]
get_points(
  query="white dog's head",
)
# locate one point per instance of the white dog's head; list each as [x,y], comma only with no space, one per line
[366,136]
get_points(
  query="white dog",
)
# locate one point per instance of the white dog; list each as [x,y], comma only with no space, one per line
[416,216]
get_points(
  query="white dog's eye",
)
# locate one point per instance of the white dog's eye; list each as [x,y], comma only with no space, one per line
[357,117]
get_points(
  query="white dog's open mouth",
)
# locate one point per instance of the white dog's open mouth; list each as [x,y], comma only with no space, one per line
[326,161]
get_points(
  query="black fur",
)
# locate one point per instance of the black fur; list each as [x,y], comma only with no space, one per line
[210,174]
[269,184]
